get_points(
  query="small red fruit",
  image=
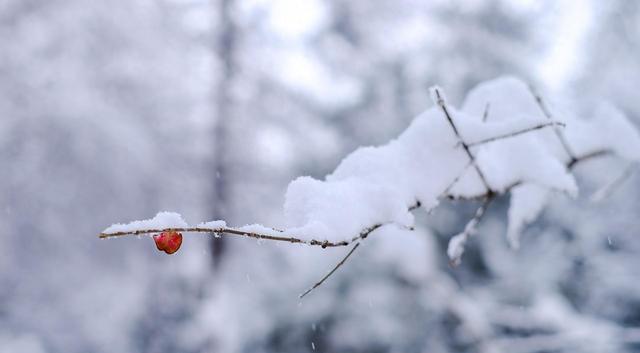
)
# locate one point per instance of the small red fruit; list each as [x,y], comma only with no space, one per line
[168,241]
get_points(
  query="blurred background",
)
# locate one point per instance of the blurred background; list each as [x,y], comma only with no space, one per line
[113,110]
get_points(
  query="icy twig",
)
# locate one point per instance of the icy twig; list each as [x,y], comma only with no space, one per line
[458,242]
[335,268]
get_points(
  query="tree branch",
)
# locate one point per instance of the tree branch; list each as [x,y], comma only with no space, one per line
[611,186]
[443,105]
[515,133]
[239,232]
[545,110]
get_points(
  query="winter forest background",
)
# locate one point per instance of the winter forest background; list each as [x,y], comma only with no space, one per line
[113,110]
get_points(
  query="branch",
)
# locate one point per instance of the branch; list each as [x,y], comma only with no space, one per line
[572,164]
[611,186]
[456,179]
[344,259]
[456,245]
[514,133]
[487,196]
[485,114]
[440,101]
[238,232]
[256,235]
[364,233]
[547,113]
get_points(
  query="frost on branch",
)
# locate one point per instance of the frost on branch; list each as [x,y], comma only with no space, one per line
[503,138]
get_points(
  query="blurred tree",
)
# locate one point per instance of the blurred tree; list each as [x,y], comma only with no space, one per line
[609,56]
[90,130]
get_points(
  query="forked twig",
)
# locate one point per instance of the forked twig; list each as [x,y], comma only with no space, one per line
[443,106]
[547,113]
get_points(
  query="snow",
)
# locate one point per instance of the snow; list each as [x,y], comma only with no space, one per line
[212,225]
[379,185]
[162,220]
[609,129]
[259,229]
[456,246]
[333,210]
[527,201]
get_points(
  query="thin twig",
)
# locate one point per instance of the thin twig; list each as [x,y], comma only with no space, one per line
[443,105]
[456,179]
[238,232]
[514,134]
[611,186]
[485,115]
[319,283]
[587,157]
[545,110]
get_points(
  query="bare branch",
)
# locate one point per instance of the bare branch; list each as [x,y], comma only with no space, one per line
[545,110]
[239,232]
[587,157]
[440,101]
[319,283]
[514,133]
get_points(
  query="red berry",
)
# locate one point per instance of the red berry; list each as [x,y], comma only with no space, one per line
[168,241]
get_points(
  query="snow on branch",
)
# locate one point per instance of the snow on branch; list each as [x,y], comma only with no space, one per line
[442,104]
[457,242]
[519,149]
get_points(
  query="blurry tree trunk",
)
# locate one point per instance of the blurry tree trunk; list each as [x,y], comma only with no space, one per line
[224,41]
